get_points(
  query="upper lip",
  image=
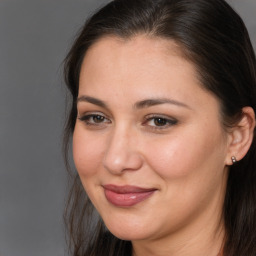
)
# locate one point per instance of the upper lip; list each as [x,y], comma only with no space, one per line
[126,189]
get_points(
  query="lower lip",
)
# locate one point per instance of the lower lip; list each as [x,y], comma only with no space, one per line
[126,199]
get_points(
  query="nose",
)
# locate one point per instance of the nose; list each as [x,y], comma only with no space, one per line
[122,153]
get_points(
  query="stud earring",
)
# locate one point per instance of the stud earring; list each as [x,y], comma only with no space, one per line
[233,159]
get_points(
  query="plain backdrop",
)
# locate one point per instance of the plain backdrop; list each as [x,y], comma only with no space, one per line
[34,39]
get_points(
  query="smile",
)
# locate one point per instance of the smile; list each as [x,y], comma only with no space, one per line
[125,196]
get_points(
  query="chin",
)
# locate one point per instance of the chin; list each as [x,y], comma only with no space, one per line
[130,232]
[131,236]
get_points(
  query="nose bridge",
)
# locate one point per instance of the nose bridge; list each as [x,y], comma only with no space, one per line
[122,151]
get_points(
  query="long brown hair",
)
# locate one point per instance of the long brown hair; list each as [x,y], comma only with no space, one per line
[212,36]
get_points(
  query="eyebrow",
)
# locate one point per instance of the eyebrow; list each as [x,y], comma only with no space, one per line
[92,100]
[138,105]
[158,101]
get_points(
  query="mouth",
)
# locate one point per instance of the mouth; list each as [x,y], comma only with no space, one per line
[125,196]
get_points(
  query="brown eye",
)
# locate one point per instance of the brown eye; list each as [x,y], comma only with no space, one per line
[94,119]
[98,119]
[160,121]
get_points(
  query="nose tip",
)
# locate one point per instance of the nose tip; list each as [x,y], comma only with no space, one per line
[122,155]
[122,161]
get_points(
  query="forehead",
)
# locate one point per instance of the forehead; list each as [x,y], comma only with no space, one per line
[141,41]
[126,71]
[139,44]
[136,55]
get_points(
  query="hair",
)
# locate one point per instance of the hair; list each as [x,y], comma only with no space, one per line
[214,38]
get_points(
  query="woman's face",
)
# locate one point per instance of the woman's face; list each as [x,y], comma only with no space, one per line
[148,143]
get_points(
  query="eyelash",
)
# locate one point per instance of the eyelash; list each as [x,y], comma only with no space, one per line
[87,119]
[165,122]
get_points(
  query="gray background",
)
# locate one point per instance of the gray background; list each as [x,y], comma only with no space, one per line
[34,38]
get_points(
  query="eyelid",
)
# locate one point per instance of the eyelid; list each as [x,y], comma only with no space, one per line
[91,113]
[87,115]
[170,121]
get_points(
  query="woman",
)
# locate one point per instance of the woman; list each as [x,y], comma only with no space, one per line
[163,126]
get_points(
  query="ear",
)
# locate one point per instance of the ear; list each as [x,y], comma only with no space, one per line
[241,136]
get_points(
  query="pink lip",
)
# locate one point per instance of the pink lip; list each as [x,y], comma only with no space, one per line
[124,196]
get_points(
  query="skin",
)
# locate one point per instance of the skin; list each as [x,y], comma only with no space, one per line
[184,156]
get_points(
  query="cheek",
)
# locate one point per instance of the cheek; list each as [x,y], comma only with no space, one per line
[86,152]
[180,156]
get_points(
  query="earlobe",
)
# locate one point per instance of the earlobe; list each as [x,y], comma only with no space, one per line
[241,136]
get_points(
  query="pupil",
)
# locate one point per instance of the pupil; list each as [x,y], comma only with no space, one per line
[98,119]
[160,121]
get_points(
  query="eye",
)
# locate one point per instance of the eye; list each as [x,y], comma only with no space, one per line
[159,122]
[94,119]
[97,118]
